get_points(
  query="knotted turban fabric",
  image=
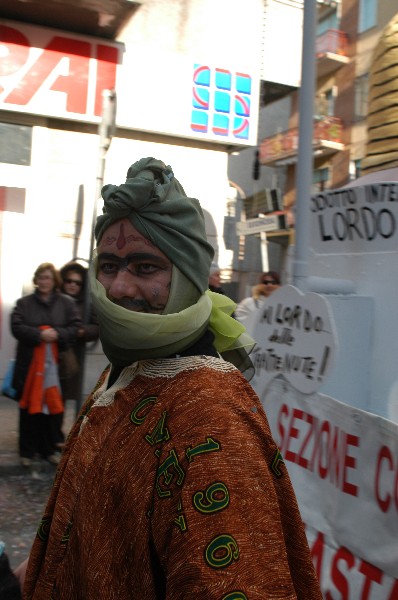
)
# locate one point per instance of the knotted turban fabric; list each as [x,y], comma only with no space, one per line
[156,204]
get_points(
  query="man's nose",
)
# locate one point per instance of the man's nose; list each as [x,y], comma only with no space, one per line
[124,285]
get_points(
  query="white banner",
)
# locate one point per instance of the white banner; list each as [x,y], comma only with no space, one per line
[355,220]
[343,463]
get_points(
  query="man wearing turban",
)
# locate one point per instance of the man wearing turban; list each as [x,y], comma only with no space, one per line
[170,485]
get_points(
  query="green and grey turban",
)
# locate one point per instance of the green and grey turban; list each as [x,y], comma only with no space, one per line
[156,204]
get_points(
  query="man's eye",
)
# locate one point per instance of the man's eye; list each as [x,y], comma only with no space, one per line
[146,268]
[108,268]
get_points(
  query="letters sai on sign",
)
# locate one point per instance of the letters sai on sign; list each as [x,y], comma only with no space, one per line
[55,73]
[295,338]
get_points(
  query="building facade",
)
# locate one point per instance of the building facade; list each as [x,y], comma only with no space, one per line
[346,36]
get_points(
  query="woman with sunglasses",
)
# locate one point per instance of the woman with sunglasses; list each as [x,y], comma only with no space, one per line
[73,276]
[268,283]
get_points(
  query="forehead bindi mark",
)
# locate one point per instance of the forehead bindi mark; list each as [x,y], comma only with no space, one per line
[121,240]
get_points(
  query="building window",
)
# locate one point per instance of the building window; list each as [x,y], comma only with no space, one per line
[361,97]
[319,180]
[325,103]
[330,21]
[357,165]
[367,15]
[16,144]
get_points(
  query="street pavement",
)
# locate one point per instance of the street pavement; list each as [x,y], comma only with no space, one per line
[23,491]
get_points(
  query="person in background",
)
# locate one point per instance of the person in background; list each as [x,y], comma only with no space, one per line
[74,280]
[215,279]
[268,283]
[170,485]
[44,323]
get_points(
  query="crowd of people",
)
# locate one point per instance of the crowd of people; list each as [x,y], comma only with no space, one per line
[170,484]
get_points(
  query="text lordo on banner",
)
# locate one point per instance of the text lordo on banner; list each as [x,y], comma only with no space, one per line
[355,220]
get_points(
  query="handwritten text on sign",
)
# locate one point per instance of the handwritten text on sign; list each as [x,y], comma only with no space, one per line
[355,220]
[295,338]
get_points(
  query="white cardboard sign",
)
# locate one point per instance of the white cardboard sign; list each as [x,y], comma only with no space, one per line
[295,338]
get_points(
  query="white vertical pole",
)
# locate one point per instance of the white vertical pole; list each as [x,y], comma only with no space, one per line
[263,238]
[106,130]
[305,153]
[264,251]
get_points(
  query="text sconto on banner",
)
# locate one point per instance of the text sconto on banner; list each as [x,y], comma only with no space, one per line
[355,220]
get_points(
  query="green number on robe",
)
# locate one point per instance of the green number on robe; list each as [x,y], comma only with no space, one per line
[44,529]
[222,551]
[209,445]
[217,498]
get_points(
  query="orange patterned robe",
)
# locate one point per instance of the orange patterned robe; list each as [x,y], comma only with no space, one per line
[171,487]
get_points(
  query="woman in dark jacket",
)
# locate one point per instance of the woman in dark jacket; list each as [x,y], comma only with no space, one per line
[44,323]
[74,280]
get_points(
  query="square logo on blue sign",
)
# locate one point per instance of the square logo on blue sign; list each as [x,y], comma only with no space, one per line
[221,102]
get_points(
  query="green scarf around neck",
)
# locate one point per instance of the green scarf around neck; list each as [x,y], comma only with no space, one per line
[128,336]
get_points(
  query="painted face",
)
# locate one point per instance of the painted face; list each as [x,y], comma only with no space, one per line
[45,282]
[134,272]
[72,283]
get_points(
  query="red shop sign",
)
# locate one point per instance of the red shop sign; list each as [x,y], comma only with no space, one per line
[52,73]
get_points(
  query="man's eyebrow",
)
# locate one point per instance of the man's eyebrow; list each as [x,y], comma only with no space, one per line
[130,257]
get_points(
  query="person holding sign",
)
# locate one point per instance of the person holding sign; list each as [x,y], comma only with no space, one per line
[268,283]
[170,485]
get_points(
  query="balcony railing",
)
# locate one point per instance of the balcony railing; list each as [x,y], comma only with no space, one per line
[331,49]
[327,139]
[332,41]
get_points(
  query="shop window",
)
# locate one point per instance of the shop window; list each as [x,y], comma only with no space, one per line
[16,144]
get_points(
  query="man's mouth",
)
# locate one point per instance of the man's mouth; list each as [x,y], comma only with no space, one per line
[137,305]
